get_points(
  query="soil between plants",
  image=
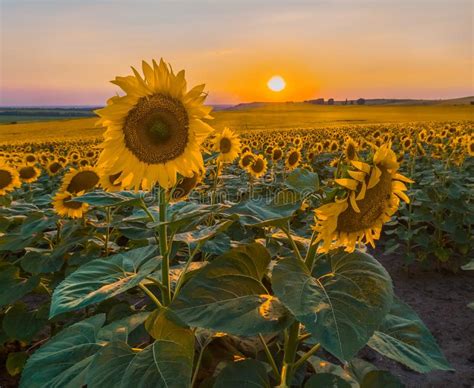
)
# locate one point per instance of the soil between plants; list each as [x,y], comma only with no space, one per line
[440,299]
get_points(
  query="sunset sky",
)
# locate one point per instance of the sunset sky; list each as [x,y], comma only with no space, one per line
[64,52]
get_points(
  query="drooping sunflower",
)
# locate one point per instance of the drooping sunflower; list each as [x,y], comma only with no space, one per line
[370,195]
[155,131]
[293,158]
[9,179]
[64,205]
[258,167]
[28,174]
[227,143]
[79,181]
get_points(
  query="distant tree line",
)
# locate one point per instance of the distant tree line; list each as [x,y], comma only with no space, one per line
[330,101]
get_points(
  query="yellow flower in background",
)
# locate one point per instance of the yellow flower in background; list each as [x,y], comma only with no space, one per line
[9,179]
[54,168]
[246,159]
[155,131]
[184,186]
[108,182]
[293,158]
[227,143]
[64,205]
[29,174]
[258,167]
[372,196]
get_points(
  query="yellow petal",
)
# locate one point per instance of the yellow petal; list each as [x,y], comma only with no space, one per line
[350,184]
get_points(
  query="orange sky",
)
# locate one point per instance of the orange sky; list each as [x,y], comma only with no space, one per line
[65,52]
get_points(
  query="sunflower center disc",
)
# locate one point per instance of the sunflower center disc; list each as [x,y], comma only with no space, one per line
[27,173]
[156,130]
[83,180]
[5,178]
[225,145]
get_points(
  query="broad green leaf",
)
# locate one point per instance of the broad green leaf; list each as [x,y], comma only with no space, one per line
[203,234]
[245,373]
[228,295]
[321,366]
[23,325]
[168,362]
[326,380]
[103,278]
[12,286]
[64,357]
[109,364]
[259,213]
[403,337]
[120,329]
[342,304]
[303,181]
[105,199]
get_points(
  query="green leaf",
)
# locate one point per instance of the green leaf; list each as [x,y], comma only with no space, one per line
[469,266]
[403,337]
[108,366]
[342,304]
[23,325]
[380,378]
[168,362]
[12,286]
[15,362]
[103,278]
[246,373]
[121,329]
[65,357]
[259,213]
[303,181]
[326,380]
[105,199]
[228,295]
[203,234]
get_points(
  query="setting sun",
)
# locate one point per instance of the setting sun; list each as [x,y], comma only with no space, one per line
[276,83]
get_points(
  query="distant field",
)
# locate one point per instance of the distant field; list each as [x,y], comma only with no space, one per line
[279,116]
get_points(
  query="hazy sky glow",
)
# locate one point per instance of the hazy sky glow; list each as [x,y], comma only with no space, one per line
[64,52]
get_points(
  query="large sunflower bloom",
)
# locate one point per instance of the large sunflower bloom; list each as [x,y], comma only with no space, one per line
[227,143]
[154,132]
[371,196]
[9,179]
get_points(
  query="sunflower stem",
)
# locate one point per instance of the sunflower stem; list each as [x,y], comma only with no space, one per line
[292,242]
[306,356]
[311,253]
[151,295]
[107,231]
[163,234]
[185,269]
[291,346]
[270,358]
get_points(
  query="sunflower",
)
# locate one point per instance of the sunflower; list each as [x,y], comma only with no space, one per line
[293,158]
[277,154]
[246,160]
[79,181]
[155,131]
[9,179]
[28,174]
[350,150]
[371,195]
[258,167]
[227,143]
[64,205]
[54,168]
[30,159]
[470,146]
[185,186]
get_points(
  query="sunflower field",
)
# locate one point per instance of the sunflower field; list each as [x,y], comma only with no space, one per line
[170,254]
